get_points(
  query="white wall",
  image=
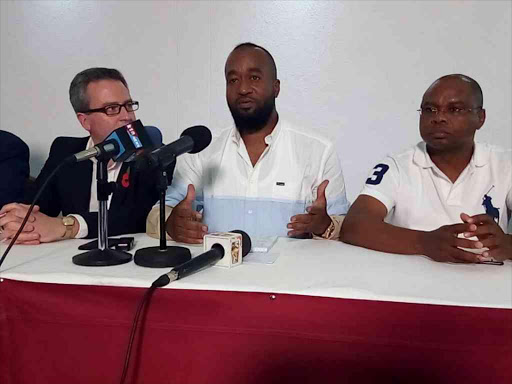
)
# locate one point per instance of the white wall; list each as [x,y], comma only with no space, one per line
[352,70]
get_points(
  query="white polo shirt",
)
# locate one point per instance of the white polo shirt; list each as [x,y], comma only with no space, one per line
[261,199]
[419,196]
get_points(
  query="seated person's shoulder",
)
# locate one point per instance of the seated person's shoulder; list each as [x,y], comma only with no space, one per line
[10,143]
[310,138]
[388,175]
[219,139]
[497,153]
[215,148]
[64,142]
[63,146]
[398,165]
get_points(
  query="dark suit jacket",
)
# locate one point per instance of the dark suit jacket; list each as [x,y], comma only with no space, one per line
[14,168]
[70,191]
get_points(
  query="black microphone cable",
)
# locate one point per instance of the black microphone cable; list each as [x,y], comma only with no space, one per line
[145,298]
[13,241]
[135,324]
[165,279]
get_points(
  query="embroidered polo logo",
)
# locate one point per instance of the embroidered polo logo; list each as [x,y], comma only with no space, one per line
[280,183]
[489,208]
[125,180]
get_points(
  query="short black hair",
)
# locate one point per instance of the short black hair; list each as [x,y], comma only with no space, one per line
[475,87]
[252,45]
[78,86]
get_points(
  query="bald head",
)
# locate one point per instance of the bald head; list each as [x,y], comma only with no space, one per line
[451,114]
[473,86]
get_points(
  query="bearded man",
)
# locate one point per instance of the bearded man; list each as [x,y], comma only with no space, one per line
[262,175]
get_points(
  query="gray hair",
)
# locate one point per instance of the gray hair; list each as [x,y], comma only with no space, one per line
[78,87]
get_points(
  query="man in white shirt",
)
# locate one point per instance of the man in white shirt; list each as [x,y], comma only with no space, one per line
[262,175]
[102,103]
[448,197]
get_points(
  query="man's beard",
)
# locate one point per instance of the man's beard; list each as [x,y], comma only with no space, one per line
[254,121]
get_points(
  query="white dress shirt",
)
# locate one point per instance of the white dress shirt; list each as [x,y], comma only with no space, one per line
[260,199]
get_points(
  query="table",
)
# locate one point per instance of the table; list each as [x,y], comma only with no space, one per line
[323,312]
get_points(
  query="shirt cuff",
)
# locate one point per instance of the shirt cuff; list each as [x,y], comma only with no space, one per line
[153,222]
[83,229]
[332,233]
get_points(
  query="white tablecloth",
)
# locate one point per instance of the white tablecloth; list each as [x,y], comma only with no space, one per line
[305,267]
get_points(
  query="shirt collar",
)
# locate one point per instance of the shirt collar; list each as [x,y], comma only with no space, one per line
[90,143]
[269,139]
[421,157]
[111,165]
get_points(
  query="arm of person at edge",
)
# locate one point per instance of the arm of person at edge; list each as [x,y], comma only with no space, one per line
[364,226]
[41,227]
[14,168]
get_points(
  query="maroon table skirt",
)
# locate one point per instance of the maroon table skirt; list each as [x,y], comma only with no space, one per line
[57,333]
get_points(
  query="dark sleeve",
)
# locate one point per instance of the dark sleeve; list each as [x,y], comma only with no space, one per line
[14,171]
[130,216]
[50,200]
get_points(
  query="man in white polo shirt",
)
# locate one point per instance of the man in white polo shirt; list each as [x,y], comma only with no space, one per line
[261,175]
[445,197]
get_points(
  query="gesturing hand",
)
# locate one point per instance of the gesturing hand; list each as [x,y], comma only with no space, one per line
[443,244]
[316,221]
[490,234]
[184,224]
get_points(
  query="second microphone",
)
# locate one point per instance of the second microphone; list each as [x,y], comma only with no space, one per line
[192,140]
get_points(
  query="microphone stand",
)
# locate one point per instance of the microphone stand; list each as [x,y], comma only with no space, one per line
[162,256]
[102,256]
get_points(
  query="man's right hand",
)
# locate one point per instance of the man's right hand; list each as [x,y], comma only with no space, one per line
[443,244]
[184,224]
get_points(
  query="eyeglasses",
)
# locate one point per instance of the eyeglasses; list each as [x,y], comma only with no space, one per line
[115,109]
[450,111]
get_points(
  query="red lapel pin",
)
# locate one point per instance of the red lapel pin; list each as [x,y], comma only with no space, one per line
[125,180]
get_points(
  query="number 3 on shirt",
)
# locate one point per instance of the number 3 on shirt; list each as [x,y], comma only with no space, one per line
[378,173]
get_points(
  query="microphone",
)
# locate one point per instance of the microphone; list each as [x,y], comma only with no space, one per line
[122,144]
[192,140]
[107,147]
[236,244]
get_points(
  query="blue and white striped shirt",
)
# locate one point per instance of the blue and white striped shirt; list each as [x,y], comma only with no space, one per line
[261,199]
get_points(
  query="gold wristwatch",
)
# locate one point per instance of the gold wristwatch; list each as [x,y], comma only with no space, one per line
[68,222]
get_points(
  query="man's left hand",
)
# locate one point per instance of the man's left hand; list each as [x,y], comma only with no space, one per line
[43,228]
[490,234]
[316,221]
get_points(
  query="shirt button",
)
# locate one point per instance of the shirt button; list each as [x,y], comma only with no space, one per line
[249,211]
